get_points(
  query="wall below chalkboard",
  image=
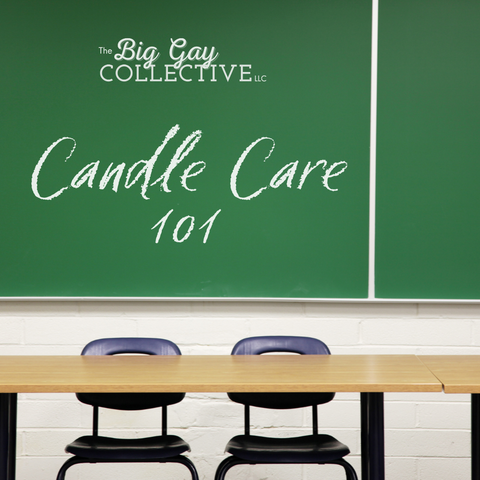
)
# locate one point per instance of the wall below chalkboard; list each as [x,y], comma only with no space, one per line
[224,151]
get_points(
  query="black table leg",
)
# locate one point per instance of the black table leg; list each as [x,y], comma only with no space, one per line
[475,436]
[8,435]
[373,436]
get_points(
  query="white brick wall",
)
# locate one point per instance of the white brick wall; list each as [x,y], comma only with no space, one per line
[427,434]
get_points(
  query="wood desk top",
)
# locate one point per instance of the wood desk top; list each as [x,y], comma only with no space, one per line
[458,373]
[216,373]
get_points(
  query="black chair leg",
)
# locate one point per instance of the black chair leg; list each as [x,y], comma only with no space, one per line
[178,459]
[227,464]
[188,463]
[349,470]
[71,461]
[230,462]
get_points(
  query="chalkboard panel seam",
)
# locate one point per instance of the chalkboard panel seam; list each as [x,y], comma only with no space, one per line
[373,151]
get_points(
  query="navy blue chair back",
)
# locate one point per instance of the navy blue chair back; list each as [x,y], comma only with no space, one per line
[146,346]
[130,401]
[281,344]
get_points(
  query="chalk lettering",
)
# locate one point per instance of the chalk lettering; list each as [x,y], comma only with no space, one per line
[160,224]
[309,169]
[193,54]
[238,165]
[227,75]
[179,225]
[188,173]
[182,151]
[140,170]
[329,174]
[130,51]
[209,224]
[117,171]
[86,174]
[191,224]
[286,174]
[38,167]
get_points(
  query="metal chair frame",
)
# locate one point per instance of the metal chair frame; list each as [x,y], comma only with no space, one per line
[270,344]
[113,346]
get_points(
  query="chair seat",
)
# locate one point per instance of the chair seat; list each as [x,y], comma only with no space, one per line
[136,449]
[306,449]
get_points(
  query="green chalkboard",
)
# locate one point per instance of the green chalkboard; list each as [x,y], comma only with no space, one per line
[428,150]
[161,149]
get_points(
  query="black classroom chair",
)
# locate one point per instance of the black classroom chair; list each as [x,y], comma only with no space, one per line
[250,449]
[98,449]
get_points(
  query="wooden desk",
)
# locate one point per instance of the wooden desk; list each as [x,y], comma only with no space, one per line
[461,374]
[371,375]
[458,373]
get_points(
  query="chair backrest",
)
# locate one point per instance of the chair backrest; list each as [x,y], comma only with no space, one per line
[146,346]
[130,401]
[281,344]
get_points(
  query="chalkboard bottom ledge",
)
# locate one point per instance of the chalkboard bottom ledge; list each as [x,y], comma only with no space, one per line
[239,299]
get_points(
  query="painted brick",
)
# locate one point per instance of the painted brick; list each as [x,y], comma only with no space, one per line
[476,336]
[454,468]
[402,468]
[338,331]
[12,330]
[414,332]
[38,308]
[68,330]
[47,442]
[136,309]
[199,332]
[245,309]
[427,443]
[426,397]
[361,310]
[446,310]
[42,468]
[40,349]
[49,414]
[449,415]
[400,415]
